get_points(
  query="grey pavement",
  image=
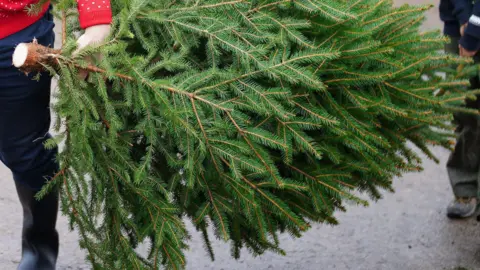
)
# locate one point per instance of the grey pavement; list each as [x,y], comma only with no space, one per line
[405,230]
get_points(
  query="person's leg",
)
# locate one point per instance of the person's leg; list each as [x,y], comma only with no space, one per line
[463,163]
[452,48]
[24,125]
[462,167]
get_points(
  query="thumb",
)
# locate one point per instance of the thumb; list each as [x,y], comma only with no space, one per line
[82,42]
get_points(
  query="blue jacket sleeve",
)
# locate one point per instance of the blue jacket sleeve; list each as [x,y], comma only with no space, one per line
[462,9]
[471,38]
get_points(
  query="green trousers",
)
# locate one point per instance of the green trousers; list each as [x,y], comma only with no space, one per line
[463,163]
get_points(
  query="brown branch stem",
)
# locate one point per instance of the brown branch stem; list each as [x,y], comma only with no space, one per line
[64,28]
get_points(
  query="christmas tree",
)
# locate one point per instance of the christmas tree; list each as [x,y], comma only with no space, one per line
[249,117]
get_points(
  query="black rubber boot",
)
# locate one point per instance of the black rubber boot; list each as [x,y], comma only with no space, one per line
[39,237]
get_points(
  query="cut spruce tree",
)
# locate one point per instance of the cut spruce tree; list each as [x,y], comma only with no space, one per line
[248,118]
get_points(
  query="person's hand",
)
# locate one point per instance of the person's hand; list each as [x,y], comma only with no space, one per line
[93,35]
[462,29]
[465,53]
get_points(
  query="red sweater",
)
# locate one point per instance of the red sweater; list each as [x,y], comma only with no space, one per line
[13,17]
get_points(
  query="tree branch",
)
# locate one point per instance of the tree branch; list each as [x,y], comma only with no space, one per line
[33,57]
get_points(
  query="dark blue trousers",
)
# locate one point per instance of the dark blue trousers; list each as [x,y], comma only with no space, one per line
[25,111]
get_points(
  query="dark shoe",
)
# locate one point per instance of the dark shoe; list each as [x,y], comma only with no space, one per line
[39,237]
[462,208]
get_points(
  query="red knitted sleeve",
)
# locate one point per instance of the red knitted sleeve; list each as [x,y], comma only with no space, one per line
[94,12]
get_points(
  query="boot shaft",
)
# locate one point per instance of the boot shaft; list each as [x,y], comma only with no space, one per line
[40,240]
